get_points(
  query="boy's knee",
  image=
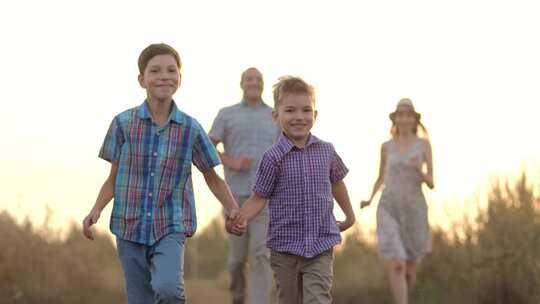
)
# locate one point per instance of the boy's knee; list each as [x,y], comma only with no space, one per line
[169,292]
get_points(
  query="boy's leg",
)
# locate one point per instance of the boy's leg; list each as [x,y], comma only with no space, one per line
[287,276]
[136,271]
[167,269]
[238,252]
[317,275]
[260,283]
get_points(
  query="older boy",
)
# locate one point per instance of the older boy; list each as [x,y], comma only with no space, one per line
[299,177]
[151,149]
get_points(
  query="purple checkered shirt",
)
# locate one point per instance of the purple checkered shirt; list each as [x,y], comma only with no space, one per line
[298,184]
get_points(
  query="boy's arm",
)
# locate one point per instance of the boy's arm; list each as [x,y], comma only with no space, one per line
[339,190]
[251,208]
[104,197]
[221,191]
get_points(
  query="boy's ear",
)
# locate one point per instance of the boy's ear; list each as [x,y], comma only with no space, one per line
[275,116]
[141,80]
[315,115]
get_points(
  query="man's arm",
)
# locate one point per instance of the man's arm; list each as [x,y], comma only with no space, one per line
[242,164]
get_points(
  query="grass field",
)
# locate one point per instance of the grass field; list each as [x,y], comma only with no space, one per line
[496,262]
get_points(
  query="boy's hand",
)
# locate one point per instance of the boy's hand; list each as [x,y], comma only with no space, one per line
[233,229]
[232,217]
[232,213]
[344,225]
[238,225]
[364,204]
[88,221]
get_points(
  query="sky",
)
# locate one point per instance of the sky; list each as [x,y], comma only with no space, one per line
[471,68]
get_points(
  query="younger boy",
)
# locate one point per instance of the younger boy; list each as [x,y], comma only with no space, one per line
[299,177]
[151,149]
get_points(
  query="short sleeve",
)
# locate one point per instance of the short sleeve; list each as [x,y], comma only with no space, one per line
[112,145]
[338,170]
[217,132]
[205,156]
[266,178]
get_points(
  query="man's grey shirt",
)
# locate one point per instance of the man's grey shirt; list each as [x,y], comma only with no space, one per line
[244,130]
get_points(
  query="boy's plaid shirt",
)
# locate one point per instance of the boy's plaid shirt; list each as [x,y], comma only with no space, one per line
[153,194]
[298,184]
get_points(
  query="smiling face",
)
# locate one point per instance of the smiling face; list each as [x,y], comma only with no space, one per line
[405,120]
[161,78]
[296,115]
[252,84]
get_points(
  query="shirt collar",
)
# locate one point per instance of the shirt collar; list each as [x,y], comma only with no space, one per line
[176,115]
[244,103]
[287,145]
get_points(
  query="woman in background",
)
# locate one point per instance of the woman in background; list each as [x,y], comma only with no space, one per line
[402,216]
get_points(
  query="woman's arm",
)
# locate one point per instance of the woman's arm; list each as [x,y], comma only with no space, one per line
[428,176]
[380,178]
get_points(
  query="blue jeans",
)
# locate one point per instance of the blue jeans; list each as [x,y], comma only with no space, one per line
[154,274]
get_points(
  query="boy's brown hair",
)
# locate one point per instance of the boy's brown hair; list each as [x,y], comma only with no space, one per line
[291,85]
[153,50]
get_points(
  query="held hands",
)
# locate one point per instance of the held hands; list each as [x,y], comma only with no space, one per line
[88,221]
[235,223]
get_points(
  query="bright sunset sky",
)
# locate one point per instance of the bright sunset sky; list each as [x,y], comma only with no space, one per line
[472,68]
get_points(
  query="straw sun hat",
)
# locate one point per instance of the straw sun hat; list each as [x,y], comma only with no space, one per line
[405,104]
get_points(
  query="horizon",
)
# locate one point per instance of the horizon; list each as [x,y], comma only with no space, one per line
[475,84]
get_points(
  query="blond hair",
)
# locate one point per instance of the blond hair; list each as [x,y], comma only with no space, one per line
[291,85]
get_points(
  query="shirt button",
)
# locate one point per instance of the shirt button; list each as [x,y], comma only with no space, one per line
[149,214]
[150,194]
[151,173]
[155,153]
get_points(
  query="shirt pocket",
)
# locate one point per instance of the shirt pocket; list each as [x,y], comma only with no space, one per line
[238,130]
[267,133]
